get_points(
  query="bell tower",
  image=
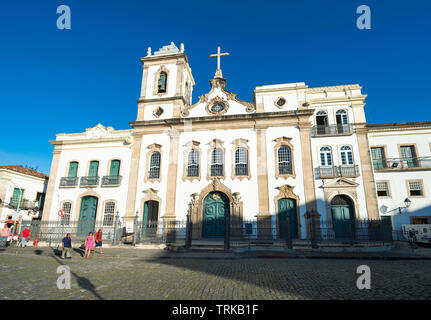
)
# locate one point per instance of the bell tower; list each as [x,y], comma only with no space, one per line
[167,83]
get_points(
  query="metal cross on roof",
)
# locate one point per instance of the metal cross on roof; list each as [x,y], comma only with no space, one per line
[218,73]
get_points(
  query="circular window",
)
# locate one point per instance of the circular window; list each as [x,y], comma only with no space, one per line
[217,107]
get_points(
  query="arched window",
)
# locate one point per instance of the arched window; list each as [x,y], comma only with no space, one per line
[241,162]
[154,172]
[284,160]
[341,116]
[322,122]
[346,155]
[325,156]
[193,163]
[108,214]
[217,162]
[162,84]
[67,208]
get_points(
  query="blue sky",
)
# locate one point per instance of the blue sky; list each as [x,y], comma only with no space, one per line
[55,81]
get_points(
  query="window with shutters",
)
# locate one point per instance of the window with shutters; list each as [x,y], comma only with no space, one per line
[415,188]
[382,188]
[378,157]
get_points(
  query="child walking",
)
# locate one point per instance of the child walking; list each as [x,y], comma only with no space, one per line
[89,244]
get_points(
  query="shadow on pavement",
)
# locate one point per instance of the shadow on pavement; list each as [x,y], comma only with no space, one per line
[83,282]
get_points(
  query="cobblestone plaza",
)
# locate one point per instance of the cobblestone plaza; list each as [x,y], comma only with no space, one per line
[32,274]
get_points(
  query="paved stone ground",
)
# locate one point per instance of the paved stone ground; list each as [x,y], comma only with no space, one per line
[31,275]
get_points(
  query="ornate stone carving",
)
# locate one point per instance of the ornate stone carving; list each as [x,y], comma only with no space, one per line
[217,100]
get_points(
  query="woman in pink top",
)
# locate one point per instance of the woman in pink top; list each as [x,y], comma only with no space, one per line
[89,244]
[4,234]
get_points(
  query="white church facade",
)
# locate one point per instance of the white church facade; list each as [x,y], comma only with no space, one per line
[293,151]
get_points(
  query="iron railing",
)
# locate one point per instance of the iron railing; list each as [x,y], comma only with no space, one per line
[24,204]
[108,181]
[90,181]
[54,231]
[402,163]
[70,182]
[268,232]
[161,231]
[332,129]
[327,172]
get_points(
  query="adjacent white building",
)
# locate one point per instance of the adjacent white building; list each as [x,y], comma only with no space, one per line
[22,193]
[292,151]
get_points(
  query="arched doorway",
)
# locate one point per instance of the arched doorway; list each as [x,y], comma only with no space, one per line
[215,209]
[287,208]
[150,218]
[87,215]
[343,217]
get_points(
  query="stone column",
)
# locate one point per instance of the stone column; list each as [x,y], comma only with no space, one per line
[367,171]
[264,216]
[133,178]
[172,175]
[49,199]
[308,172]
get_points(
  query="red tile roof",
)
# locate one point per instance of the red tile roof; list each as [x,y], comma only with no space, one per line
[25,170]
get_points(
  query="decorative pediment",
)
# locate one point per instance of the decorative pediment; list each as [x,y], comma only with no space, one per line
[98,131]
[150,192]
[340,183]
[219,84]
[286,191]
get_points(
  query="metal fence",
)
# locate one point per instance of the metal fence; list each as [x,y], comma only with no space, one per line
[268,232]
[54,231]
[170,231]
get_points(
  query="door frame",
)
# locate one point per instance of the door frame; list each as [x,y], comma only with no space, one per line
[227,205]
[286,191]
[196,206]
[297,218]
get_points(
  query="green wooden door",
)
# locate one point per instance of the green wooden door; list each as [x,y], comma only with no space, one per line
[114,171]
[94,168]
[87,215]
[343,221]
[150,218]
[287,206]
[215,207]
[17,197]
[73,170]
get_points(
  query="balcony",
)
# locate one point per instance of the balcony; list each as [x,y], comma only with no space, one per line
[422,163]
[332,130]
[66,182]
[111,181]
[88,181]
[25,204]
[346,171]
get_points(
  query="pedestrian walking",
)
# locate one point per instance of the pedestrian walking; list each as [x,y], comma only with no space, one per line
[66,244]
[4,235]
[89,244]
[25,236]
[98,237]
